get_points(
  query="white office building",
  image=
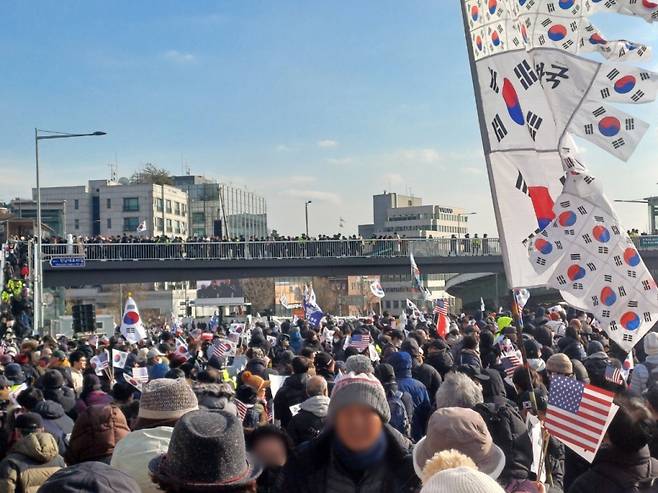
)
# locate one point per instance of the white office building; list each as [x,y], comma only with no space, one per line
[109,208]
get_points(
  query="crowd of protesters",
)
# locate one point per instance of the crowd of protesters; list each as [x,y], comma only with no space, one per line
[15,301]
[372,405]
[274,246]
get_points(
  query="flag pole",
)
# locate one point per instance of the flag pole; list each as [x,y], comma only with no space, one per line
[486,144]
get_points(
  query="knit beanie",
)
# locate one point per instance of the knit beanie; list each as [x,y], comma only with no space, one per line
[254,381]
[559,363]
[461,480]
[651,343]
[359,388]
[359,363]
[167,399]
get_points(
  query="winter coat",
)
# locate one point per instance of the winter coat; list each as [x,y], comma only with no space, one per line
[309,421]
[55,422]
[510,433]
[640,377]
[133,454]
[469,357]
[29,464]
[441,361]
[293,391]
[64,396]
[572,348]
[95,434]
[614,471]
[401,363]
[315,469]
[94,398]
[428,376]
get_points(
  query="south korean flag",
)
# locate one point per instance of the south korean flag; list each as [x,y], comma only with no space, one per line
[625,84]
[609,128]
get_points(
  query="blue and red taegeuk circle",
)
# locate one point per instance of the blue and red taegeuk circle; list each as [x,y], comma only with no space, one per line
[609,126]
[625,84]
[608,296]
[542,246]
[630,321]
[567,218]
[576,272]
[131,318]
[557,32]
[631,257]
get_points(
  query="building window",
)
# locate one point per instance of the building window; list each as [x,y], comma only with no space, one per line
[158,205]
[130,204]
[183,209]
[177,227]
[109,223]
[76,204]
[168,206]
[159,224]
[198,218]
[108,203]
[168,225]
[177,208]
[76,223]
[130,224]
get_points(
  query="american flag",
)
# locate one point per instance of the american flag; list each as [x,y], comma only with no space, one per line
[241,407]
[360,341]
[577,413]
[219,348]
[441,308]
[510,363]
[613,374]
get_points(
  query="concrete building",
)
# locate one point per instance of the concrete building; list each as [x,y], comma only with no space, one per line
[109,208]
[222,210]
[53,214]
[406,216]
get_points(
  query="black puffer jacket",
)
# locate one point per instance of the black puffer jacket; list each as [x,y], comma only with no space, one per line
[614,471]
[429,376]
[510,433]
[315,469]
[55,422]
[292,392]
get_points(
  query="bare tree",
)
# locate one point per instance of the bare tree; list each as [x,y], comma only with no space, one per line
[150,173]
[260,292]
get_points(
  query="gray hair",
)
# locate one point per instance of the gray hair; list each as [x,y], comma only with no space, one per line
[316,386]
[458,390]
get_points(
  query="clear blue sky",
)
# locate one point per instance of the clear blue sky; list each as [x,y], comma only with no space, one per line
[328,101]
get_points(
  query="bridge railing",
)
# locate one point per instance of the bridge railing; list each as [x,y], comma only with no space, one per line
[439,247]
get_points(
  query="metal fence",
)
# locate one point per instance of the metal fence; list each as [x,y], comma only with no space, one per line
[443,247]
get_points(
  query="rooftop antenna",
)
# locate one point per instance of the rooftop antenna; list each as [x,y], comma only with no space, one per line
[114,171]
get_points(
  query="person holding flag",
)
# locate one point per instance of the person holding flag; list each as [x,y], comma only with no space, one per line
[132,328]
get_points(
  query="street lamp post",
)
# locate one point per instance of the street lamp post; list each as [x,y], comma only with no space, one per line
[459,218]
[306,214]
[38,272]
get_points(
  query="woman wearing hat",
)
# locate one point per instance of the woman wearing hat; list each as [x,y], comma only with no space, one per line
[358,449]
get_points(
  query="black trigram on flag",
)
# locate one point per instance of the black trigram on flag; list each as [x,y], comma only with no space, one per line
[526,74]
[605,93]
[521,184]
[639,94]
[612,75]
[499,128]
[493,84]
[599,111]
[533,122]
[630,123]
[589,129]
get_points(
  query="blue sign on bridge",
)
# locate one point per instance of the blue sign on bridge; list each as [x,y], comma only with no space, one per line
[67,262]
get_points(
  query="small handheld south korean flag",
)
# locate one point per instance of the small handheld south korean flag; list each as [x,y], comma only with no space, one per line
[131,323]
[119,358]
[142,227]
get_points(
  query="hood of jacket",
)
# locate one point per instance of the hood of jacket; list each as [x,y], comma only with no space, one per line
[49,410]
[41,447]
[401,363]
[625,468]
[317,405]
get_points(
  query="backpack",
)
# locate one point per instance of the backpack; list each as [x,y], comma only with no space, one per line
[652,379]
[399,416]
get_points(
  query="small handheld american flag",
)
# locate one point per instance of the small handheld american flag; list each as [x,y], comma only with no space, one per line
[360,341]
[614,375]
[510,363]
[219,348]
[577,413]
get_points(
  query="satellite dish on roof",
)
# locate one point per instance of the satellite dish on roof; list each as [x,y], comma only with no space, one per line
[124,181]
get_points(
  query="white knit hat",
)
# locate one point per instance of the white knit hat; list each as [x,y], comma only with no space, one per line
[651,343]
[461,480]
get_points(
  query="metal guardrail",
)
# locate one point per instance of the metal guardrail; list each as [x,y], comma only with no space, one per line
[439,247]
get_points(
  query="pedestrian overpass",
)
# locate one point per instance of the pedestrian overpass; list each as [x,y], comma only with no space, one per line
[116,263]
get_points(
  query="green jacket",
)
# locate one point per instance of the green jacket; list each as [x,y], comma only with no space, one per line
[29,464]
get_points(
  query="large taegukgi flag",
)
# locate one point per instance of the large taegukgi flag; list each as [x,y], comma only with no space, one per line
[533,92]
[594,263]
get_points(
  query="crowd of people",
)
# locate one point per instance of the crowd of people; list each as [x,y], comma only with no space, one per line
[276,246]
[372,405]
[15,299]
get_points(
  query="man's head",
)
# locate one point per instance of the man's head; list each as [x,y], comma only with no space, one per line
[631,428]
[316,386]
[300,365]
[28,423]
[358,410]
[78,360]
[29,398]
[459,390]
